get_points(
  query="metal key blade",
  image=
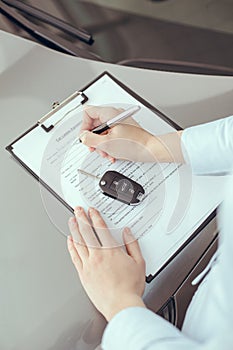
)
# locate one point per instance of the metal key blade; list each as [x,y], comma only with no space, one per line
[88,174]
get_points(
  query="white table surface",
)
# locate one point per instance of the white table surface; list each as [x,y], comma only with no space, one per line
[42,303]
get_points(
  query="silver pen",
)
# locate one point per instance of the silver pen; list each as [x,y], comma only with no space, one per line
[107,125]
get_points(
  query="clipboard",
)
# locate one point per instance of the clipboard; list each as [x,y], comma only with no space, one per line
[47,124]
[58,105]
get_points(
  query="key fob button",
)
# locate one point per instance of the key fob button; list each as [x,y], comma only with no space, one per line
[140,196]
[114,183]
[123,186]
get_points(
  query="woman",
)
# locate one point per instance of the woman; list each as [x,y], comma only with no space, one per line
[114,278]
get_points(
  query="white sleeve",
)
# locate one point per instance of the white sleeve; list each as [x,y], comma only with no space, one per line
[226,248]
[137,328]
[208,148]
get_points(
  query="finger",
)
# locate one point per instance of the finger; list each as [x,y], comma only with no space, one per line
[89,116]
[77,239]
[132,246]
[112,159]
[87,123]
[101,229]
[101,114]
[91,139]
[85,229]
[102,153]
[95,115]
[74,254]
[93,111]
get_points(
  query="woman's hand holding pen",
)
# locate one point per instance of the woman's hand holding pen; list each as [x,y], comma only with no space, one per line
[128,140]
[123,141]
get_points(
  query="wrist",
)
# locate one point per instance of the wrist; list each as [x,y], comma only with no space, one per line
[156,149]
[125,302]
[166,148]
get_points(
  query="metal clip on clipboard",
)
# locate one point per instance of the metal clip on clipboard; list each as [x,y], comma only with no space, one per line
[57,106]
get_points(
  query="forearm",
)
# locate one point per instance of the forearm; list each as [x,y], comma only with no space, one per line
[166,148]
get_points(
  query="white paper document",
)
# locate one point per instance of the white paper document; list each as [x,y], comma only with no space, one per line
[175,201]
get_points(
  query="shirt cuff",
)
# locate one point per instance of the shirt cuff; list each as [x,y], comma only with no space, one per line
[208,148]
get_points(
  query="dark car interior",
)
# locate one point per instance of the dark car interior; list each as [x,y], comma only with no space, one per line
[170,35]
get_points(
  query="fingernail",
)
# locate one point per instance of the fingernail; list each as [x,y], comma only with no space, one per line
[92,210]
[78,210]
[82,136]
[127,231]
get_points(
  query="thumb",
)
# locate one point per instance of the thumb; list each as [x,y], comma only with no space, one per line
[91,139]
[132,246]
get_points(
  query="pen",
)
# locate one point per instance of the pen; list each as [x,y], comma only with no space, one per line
[107,125]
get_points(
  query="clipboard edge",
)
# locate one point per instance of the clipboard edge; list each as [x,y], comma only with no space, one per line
[146,103]
[210,217]
[36,177]
[10,147]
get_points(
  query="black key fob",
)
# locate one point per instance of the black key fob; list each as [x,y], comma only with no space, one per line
[122,188]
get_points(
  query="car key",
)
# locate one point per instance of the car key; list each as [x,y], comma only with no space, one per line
[119,187]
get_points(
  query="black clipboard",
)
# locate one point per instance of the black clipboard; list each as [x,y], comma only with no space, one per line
[81,92]
[57,106]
